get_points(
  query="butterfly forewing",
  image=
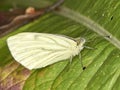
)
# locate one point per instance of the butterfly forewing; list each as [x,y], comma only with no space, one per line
[36,50]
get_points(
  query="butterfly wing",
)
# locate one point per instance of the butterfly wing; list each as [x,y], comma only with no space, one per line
[36,50]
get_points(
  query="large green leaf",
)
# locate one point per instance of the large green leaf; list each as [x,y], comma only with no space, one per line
[94,20]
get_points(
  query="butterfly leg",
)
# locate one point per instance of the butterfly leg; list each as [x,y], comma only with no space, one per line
[69,63]
[71,60]
[81,62]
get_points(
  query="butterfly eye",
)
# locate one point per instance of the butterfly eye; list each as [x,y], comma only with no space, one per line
[82,40]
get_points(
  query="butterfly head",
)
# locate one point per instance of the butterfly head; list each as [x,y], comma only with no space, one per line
[80,41]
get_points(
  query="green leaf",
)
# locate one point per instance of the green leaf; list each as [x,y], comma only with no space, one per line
[95,20]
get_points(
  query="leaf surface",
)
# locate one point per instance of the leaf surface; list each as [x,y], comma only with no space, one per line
[91,19]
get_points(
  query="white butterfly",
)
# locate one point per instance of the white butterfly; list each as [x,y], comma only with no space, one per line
[37,50]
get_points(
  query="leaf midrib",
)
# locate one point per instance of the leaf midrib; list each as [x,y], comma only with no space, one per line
[89,23]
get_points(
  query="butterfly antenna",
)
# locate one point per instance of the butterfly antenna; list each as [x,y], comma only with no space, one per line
[89,47]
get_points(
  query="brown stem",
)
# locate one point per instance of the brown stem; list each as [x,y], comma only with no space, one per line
[26,18]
